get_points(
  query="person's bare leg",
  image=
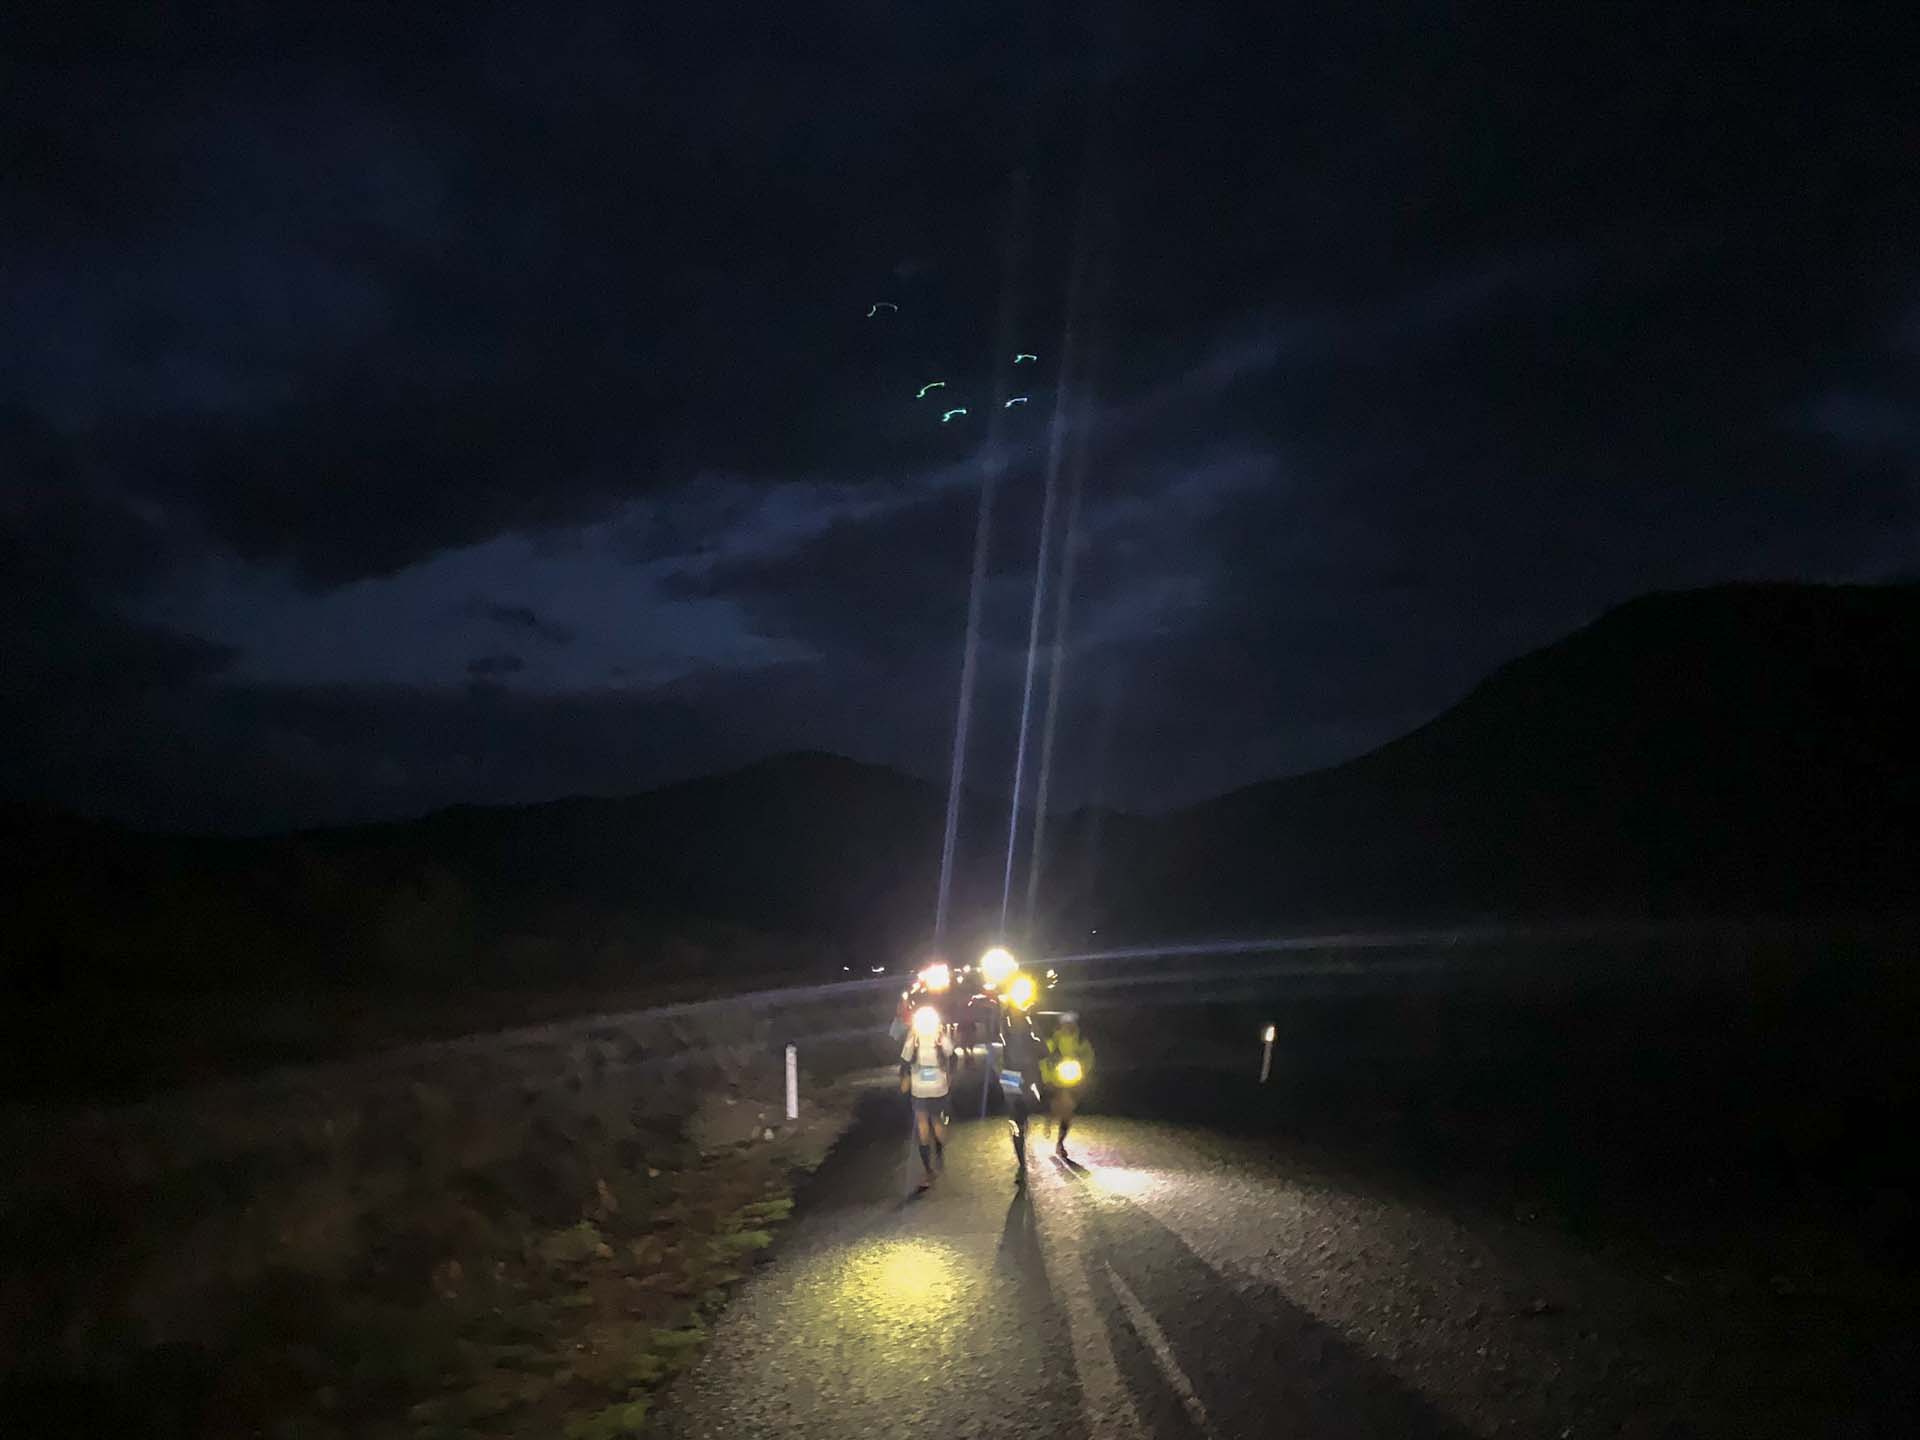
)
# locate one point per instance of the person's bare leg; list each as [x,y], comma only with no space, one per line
[924,1125]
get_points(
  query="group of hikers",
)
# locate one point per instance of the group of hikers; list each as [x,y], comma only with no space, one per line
[1037,1077]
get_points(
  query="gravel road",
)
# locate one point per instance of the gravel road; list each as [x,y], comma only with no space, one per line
[1180,1282]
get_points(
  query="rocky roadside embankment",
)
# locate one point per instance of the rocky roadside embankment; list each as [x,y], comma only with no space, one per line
[513,1235]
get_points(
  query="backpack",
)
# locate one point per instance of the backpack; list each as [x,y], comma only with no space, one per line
[939,1053]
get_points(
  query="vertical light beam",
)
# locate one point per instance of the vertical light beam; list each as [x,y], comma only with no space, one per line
[991,465]
[1056,445]
[969,665]
[1089,274]
[1062,614]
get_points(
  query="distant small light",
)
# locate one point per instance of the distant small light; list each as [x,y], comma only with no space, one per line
[846,967]
[879,969]
[1267,1034]
[926,1022]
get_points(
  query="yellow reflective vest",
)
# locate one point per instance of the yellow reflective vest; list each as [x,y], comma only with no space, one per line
[1061,1046]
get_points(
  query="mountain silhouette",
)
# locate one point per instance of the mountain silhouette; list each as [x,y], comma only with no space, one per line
[1742,748]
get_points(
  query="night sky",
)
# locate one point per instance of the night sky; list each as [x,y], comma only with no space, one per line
[405,404]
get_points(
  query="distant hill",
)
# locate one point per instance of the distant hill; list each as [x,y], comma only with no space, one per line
[1747,748]
[768,868]
[1744,748]
[801,844]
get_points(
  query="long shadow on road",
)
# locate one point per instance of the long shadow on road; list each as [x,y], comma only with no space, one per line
[886,1313]
[860,1165]
[792,1358]
[1256,1363]
[1032,1332]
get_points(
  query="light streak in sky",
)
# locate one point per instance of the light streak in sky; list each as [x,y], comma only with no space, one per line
[1033,629]
[1023,355]
[1016,400]
[957,410]
[992,463]
[1056,676]
[930,385]
[880,305]
[1088,268]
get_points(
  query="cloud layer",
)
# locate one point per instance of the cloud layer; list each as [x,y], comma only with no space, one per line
[401,408]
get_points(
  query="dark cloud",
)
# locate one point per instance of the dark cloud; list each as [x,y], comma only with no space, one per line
[71,663]
[1427,335]
[525,619]
[263,757]
[874,586]
[364,318]
[92,704]
[62,528]
[495,667]
[55,651]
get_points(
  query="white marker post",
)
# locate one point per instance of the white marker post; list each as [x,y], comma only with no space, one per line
[1266,1053]
[793,1082]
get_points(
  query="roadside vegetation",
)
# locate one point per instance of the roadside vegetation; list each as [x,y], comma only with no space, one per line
[470,1257]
